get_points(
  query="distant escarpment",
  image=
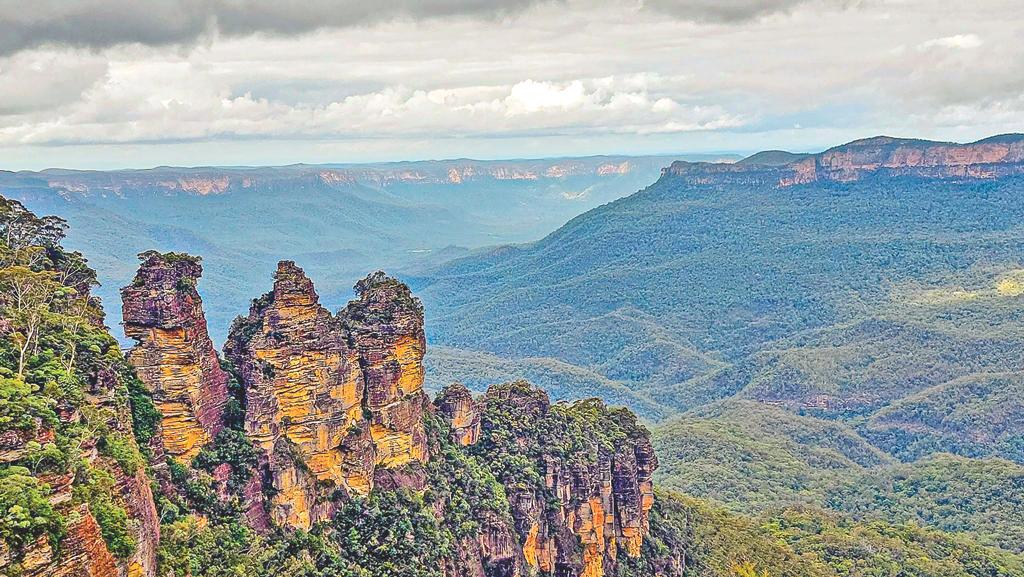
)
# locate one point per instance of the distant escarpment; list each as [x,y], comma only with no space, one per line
[993,157]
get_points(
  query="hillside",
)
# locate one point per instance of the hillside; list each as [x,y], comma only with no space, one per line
[757,459]
[837,283]
[336,220]
[312,449]
[754,456]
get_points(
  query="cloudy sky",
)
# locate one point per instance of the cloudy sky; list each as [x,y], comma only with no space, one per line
[122,83]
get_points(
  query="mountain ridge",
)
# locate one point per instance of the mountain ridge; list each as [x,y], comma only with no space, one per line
[991,157]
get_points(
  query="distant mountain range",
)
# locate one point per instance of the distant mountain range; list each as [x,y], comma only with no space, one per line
[336,220]
[827,347]
[836,283]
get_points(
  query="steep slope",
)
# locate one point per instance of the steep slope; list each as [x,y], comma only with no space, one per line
[75,497]
[977,415]
[716,262]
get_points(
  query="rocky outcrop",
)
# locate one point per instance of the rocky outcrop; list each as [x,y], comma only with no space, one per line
[304,398]
[457,405]
[335,402]
[881,156]
[581,507]
[385,325]
[174,356]
[86,553]
[82,550]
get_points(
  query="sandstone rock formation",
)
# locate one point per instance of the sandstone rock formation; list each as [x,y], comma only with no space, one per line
[304,398]
[462,412]
[333,401]
[588,506]
[386,327]
[174,356]
[994,157]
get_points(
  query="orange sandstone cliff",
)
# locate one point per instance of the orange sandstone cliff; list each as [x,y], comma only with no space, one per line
[881,156]
[174,356]
[335,402]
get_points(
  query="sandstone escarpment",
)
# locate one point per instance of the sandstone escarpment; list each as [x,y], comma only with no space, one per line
[334,402]
[174,356]
[587,496]
[881,156]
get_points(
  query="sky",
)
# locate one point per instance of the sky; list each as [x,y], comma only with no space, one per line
[117,83]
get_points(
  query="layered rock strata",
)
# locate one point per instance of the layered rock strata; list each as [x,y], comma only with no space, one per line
[589,506]
[332,400]
[462,412]
[881,156]
[174,355]
[385,326]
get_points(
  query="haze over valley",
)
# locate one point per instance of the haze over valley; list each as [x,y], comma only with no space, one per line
[512,288]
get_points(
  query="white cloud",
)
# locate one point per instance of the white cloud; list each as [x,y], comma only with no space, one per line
[964,41]
[558,77]
[191,105]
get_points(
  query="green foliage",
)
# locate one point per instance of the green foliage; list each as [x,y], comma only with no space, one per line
[755,459]
[980,498]
[145,416]
[461,483]
[751,455]
[392,533]
[877,549]
[25,511]
[97,488]
[834,298]
[976,416]
[188,547]
[123,450]
[710,541]
[57,357]
[170,257]
[232,447]
[22,408]
[561,380]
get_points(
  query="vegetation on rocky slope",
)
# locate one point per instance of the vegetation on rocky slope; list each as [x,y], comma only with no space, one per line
[78,448]
[67,400]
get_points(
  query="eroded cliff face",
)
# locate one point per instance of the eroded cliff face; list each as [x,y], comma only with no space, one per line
[82,551]
[995,157]
[304,398]
[462,412]
[174,356]
[334,402]
[586,499]
[385,325]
